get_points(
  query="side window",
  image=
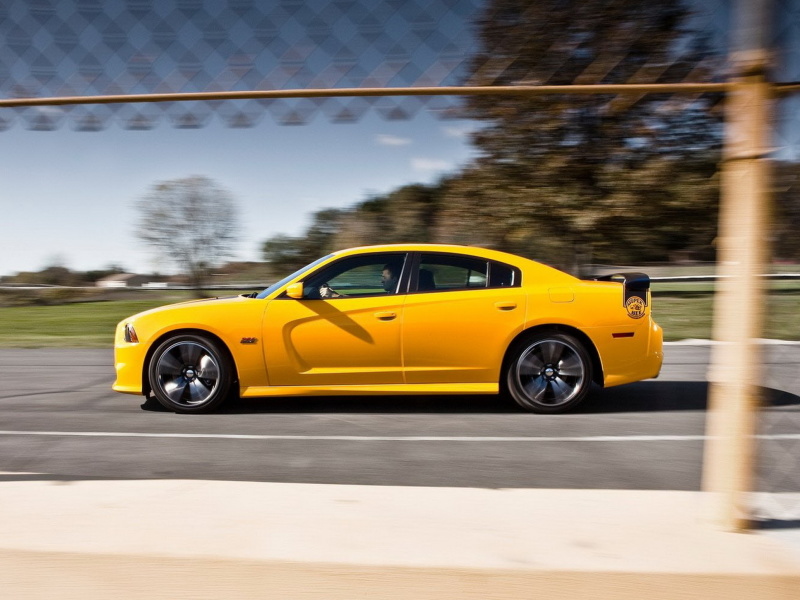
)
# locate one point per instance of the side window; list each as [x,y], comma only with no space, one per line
[501,275]
[446,272]
[356,276]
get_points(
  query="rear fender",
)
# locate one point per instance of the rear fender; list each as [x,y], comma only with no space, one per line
[635,291]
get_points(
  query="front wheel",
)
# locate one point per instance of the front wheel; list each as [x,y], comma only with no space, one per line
[190,374]
[548,373]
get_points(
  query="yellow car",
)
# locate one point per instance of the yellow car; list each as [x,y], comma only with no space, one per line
[399,319]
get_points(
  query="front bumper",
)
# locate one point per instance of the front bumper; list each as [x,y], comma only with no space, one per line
[128,364]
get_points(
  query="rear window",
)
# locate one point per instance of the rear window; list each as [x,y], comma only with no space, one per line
[447,272]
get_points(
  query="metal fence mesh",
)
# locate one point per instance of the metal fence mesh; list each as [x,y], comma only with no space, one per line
[113,47]
[778,460]
[778,464]
[94,47]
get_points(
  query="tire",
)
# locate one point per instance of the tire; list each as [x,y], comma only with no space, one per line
[190,374]
[548,373]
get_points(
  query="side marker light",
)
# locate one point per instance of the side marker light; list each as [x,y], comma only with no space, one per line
[130,334]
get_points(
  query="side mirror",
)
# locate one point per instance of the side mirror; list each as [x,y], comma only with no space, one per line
[295,291]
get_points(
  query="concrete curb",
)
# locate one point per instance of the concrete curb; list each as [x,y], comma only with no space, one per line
[210,539]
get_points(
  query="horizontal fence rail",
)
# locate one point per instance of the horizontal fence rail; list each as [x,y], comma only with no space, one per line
[234,286]
[529,90]
[532,90]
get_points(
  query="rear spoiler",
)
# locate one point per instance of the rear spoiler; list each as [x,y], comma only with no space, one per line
[635,291]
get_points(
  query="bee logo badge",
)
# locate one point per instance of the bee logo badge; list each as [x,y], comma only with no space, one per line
[635,307]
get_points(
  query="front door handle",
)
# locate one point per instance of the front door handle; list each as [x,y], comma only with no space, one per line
[385,315]
[505,305]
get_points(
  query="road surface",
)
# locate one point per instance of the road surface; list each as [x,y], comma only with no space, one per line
[60,420]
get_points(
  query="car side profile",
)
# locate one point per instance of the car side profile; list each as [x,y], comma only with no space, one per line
[399,319]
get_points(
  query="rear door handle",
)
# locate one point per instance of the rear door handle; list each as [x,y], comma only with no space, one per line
[505,305]
[386,315]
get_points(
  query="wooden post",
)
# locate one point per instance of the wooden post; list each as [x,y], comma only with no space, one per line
[736,367]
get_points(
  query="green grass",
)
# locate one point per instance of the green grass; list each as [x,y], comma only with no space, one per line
[683,317]
[685,310]
[85,324]
[687,316]
[782,319]
[684,313]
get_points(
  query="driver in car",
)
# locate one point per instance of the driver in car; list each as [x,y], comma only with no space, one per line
[389,276]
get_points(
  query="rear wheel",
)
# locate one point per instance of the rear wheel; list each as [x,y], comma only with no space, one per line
[190,374]
[548,372]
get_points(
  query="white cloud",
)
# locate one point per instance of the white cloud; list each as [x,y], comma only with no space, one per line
[430,164]
[52,111]
[392,140]
[454,131]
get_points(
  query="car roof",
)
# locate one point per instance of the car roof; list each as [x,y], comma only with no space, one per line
[523,263]
[452,248]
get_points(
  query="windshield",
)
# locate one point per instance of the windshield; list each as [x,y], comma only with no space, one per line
[288,278]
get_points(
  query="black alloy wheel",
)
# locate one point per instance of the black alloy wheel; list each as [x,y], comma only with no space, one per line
[548,373]
[190,374]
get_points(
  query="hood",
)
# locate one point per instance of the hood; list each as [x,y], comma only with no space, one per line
[190,303]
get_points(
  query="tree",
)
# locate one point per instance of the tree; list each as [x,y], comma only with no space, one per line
[286,254]
[570,179]
[96,274]
[595,168]
[192,222]
[404,215]
[785,241]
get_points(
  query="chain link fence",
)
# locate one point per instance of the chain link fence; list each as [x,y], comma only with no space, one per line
[778,459]
[99,47]
[115,47]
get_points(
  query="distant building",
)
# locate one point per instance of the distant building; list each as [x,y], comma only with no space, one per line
[123,280]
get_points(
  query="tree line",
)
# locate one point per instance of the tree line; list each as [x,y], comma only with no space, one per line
[568,180]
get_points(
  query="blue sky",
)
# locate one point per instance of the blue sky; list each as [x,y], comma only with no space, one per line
[70,196]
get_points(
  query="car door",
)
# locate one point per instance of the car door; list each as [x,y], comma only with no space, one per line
[459,317]
[351,337]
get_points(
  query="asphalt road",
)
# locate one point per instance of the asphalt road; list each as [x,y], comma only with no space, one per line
[60,420]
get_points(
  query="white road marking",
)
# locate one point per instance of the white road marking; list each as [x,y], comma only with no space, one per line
[706,342]
[390,438]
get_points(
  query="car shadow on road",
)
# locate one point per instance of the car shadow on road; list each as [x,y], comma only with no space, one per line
[776,524]
[653,396]
[646,396]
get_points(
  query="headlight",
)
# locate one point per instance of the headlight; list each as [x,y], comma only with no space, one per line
[130,334]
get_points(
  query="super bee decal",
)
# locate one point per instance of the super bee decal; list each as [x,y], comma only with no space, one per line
[636,307]
[636,291]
